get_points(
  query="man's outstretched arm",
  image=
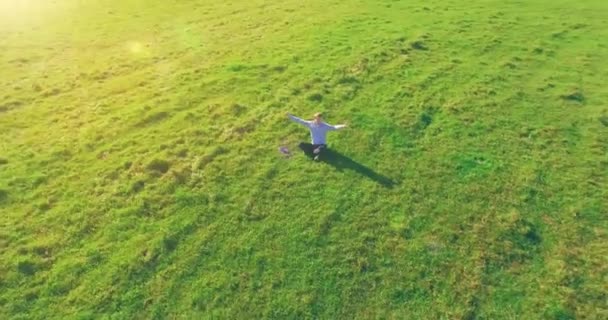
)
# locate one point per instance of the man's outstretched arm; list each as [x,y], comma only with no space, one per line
[298,120]
[336,127]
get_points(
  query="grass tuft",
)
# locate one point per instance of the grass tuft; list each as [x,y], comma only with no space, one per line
[26,267]
[575,96]
[315,97]
[158,166]
[419,45]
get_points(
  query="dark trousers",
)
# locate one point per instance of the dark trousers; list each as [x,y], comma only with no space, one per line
[317,148]
[313,150]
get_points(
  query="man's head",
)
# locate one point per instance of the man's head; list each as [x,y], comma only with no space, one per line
[318,117]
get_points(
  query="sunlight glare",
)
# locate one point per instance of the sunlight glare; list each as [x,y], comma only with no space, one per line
[24,12]
[135,47]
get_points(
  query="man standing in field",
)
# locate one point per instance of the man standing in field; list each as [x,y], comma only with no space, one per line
[318,131]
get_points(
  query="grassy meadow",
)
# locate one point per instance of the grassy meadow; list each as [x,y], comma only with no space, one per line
[140,176]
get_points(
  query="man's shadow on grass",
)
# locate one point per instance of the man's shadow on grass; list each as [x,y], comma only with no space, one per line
[340,162]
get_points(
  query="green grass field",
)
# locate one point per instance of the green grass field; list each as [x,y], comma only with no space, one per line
[140,175]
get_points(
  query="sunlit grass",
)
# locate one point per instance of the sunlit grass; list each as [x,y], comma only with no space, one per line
[140,175]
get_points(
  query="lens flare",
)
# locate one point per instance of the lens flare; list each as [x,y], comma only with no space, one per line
[136,47]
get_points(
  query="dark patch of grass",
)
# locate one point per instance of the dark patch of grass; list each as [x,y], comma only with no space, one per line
[559,34]
[419,45]
[237,109]
[315,97]
[43,251]
[62,154]
[10,105]
[578,26]
[518,243]
[31,296]
[559,313]
[530,194]
[146,207]
[153,118]
[202,162]
[170,243]
[239,131]
[181,176]
[3,161]
[348,80]
[237,67]
[604,120]
[328,222]
[182,153]
[425,119]
[51,92]
[158,166]
[27,267]
[137,186]
[44,206]
[575,96]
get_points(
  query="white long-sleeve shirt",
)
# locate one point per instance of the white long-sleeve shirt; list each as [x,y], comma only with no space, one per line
[318,131]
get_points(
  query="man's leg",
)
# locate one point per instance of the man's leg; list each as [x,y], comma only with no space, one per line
[308,149]
[317,150]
